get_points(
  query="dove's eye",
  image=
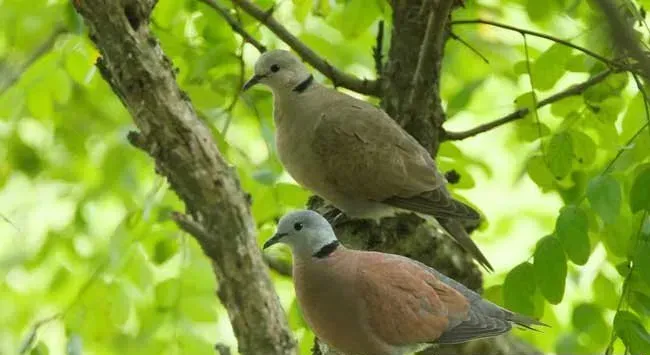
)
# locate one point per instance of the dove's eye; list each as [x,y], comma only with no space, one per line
[275,68]
[297,226]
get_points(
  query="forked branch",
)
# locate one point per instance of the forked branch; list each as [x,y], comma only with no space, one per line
[339,78]
[521,113]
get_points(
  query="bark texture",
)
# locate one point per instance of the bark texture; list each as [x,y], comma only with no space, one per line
[133,64]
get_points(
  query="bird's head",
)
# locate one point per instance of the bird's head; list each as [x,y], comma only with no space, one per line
[280,70]
[305,231]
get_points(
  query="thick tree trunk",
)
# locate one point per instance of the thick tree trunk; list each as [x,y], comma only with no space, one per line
[184,151]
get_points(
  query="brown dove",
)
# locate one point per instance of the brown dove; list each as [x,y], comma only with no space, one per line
[371,303]
[353,154]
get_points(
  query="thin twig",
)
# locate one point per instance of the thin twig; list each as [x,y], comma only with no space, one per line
[41,50]
[536,34]
[192,227]
[378,49]
[639,86]
[10,222]
[236,95]
[573,90]
[235,24]
[474,50]
[626,283]
[534,96]
[339,78]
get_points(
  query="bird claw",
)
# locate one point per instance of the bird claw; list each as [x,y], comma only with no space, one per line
[335,217]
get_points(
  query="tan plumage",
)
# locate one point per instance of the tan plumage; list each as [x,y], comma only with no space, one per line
[353,154]
[370,303]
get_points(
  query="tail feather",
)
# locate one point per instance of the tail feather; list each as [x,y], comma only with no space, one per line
[437,203]
[451,214]
[458,233]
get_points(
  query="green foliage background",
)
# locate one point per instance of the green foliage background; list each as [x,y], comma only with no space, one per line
[90,261]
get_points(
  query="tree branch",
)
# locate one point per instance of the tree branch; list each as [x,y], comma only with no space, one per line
[521,113]
[235,24]
[339,78]
[41,50]
[133,63]
[432,43]
[522,31]
[623,35]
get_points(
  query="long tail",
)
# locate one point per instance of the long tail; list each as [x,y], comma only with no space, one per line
[458,233]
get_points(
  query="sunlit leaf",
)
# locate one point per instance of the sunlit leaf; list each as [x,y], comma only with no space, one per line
[571,229]
[642,260]
[630,329]
[168,293]
[584,148]
[604,195]
[606,292]
[550,268]
[539,172]
[559,154]
[199,308]
[519,289]
[460,101]
[640,303]
[551,65]
[640,192]
[588,318]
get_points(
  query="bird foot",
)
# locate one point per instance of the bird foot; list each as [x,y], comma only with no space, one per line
[335,217]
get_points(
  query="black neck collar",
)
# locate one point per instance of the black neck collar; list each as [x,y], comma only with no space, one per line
[326,250]
[304,84]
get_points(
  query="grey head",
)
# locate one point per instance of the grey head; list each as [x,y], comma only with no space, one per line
[281,71]
[306,232]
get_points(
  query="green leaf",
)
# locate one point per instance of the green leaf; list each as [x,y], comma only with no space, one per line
[525,100]
[584,148]
[540,173]
[39,102]
[630,329]
[291,195]
[519,289]
[190,343]
[640,192]
[588,318]
[201,308]
[301,9]
[296,320]
[605,292]
[167,294]
[551,65]
[571,228]
[550,268]
[609,109]
[559,154]
[617,236]
[120,305]
[640,303]
[462,98]
[580,63]
[566,106]
[604,195]
[355,17]
[164,249]
[642,260]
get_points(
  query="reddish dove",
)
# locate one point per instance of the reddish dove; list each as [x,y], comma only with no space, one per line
[353,154]
[371,303]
